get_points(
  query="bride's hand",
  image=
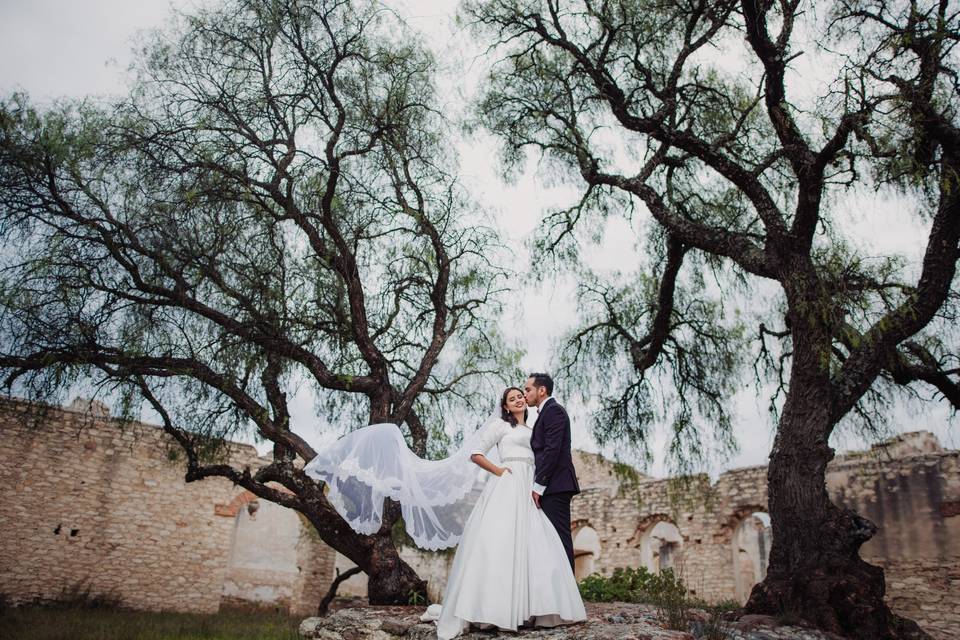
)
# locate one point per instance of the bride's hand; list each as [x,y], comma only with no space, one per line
[504,470]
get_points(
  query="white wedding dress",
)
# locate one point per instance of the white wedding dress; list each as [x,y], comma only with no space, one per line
[510,568]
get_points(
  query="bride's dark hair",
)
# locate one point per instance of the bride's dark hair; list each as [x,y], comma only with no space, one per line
[504,413]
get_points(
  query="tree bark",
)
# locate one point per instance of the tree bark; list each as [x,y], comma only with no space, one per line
[390,580]
[815,572]
[324,605]
[394,581]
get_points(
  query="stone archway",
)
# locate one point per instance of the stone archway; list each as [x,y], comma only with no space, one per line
[659,542]
[231,509]
[750,546]
[586,550]
[267,554]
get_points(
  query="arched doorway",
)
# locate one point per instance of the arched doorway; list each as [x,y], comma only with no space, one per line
[661,546]
[263,566]
[751,552]
[586,551]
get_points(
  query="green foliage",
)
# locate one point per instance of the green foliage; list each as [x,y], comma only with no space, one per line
[668,141]
[628,584]
[667,593]
[724,606]
[673,609]
[186,235]
[686,391]
[628,477]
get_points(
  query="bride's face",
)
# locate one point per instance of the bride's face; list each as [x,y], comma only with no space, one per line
[515,401]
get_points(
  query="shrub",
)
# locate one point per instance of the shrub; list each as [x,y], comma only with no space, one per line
[666,592]
[633,585]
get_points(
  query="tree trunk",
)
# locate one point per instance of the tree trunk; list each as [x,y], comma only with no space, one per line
[815,572]
[324,605]
[393,581]
[390,580]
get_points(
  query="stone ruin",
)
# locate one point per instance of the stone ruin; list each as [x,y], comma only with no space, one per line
[96,504]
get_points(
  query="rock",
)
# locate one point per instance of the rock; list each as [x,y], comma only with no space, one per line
[422,632]
[347,616]
[324,634]
[758,620]
[605,621]
[396,627]
[309,626]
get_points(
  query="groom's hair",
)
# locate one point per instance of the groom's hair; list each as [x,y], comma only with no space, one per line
[543,380]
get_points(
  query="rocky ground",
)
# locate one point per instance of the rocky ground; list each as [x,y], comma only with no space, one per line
[605,621]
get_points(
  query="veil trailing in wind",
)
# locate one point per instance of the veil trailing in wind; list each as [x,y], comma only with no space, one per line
[436,496]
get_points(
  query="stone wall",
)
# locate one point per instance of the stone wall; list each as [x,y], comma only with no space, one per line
[913,496]
[276,558]
[638,524]
[717,536]
[94,504]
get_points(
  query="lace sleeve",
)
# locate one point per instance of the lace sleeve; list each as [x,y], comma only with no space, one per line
[372,463]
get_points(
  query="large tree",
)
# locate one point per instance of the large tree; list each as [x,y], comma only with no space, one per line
[690,115]
[272,205]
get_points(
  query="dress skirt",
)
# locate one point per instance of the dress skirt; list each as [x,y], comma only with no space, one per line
[510,568]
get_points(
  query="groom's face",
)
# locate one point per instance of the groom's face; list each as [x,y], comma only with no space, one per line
[533,394]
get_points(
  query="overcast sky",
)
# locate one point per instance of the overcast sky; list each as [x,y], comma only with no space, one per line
[75,48]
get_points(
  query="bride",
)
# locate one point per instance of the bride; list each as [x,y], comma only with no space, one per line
[510,568]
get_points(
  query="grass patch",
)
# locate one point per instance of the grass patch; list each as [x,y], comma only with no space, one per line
[59,623]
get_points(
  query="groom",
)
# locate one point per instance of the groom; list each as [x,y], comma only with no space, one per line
[554,478]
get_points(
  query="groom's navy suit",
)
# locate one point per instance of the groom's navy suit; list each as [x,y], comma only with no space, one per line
[553,468]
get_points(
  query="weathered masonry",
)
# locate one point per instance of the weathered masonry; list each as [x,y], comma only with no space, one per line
[717,535]
[90,505]
[94,505]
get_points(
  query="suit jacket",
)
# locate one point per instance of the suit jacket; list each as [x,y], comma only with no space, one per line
[550,442]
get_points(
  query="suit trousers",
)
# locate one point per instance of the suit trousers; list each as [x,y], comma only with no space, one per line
[556,506]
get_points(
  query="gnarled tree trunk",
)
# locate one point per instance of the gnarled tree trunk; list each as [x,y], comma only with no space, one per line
[390,580]
[815,571]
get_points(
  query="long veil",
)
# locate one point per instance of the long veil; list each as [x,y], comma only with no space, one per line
[436,496]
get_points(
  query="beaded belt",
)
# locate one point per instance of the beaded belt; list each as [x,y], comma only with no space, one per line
[530,460]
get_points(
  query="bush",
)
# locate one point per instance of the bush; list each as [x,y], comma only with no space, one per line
[633,585]
[666,592]
[724,606]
